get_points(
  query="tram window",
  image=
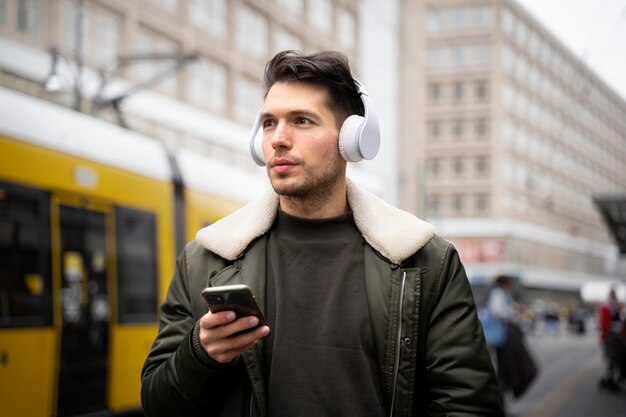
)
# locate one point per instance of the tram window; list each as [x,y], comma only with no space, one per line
[25,283]
[136,266]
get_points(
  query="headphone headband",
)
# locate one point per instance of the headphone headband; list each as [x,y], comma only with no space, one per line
[369,139]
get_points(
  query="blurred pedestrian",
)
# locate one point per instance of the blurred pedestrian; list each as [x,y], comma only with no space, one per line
[613,339]
[552,320]
[515,366]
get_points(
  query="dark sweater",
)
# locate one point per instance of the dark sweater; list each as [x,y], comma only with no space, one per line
[320,357]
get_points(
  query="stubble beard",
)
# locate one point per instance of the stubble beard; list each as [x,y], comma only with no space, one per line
[314,190]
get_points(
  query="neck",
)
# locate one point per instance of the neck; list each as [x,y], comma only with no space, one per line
[332,203]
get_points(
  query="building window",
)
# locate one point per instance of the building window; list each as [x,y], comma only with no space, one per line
[104,37]
[434,129]
[458,91]
[434,205]
[70,17]
[434,92]
[433,167]
[252,32]
[482,16]
[434,20]
[210,15]
[457,202]
[321,15]
[533,43]
[459,17]
[482,203]
[481,90]
[436,57]
[508,21]
[481,53]
[207,85]
[482,165]
[457,128]
[101,30]
[481,128]
[346,26]
[457,166]
[28,17]
[457,55]
[146,42]
[521,33]
[507,58]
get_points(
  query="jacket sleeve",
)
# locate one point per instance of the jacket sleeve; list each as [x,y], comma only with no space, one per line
[175,381]
[460,373]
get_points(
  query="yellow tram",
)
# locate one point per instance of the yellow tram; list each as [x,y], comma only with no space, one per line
[89,219]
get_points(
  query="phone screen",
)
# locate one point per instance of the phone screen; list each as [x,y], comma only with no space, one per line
[237,298]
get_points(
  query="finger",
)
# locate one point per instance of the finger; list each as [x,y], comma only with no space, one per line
[225,350]
[237,326]
[244,340]
[210,320]
[216,344]
[218,334]
[246,337]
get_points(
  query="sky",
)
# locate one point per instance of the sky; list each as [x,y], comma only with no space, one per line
[594,30]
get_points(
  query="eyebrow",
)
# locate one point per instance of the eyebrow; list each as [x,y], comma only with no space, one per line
[297,112]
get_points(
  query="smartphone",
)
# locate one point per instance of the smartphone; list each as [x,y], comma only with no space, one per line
[237,298]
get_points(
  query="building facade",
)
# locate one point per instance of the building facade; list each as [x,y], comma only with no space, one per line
[86,53]
[506,137]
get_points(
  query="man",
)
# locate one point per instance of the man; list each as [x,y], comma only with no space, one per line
[516,367]
[370,313]
[613,341]
[499,300]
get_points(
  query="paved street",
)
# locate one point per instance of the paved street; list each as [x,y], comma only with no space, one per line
[567,386]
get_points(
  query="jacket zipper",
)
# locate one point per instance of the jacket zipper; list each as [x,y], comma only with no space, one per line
[396,364]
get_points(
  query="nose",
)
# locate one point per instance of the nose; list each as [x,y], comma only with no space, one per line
[280,136]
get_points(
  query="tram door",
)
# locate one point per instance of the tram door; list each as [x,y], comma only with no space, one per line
[84,311]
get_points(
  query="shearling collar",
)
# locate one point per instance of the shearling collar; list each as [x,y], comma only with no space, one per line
[394,233]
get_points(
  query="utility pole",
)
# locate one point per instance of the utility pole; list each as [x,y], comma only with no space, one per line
[78,52]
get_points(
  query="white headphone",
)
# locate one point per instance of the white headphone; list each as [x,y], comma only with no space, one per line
[359,136]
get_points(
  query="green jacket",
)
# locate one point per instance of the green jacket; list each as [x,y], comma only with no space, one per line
[430,346]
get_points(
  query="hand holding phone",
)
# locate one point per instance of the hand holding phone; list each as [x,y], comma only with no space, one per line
[237,298]
[223,337]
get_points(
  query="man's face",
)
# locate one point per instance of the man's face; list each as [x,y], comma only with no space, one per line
[300,140]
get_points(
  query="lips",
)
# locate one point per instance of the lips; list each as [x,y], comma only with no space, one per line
[281,164]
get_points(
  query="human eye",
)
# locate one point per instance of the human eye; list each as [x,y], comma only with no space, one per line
[267,123]
[303,121]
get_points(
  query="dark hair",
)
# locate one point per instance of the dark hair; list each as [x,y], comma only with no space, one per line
[327,68]
[504,280]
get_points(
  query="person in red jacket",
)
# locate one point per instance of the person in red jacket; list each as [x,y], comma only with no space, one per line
[612,339]
[609,315]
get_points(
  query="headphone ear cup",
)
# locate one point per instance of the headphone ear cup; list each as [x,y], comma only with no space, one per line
[349,138]
[256,143]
